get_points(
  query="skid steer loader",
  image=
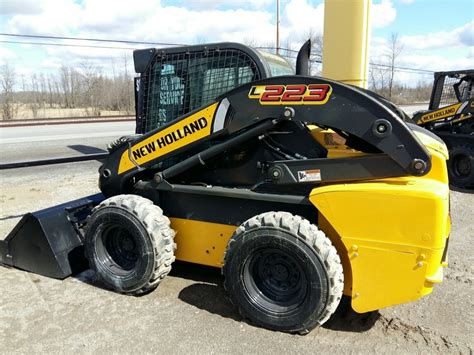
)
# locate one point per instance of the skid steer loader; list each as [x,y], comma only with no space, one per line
[231,167]
[451,117]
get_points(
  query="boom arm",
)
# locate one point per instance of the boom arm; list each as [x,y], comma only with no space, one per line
[252,109]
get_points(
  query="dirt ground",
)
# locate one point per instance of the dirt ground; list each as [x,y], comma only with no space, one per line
[189,313]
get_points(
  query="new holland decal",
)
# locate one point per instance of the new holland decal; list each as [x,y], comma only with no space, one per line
[297,94]
[444,112]
[180,134]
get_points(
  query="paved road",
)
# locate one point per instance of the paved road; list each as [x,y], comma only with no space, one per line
[25,134]
[411,109]
[54,141]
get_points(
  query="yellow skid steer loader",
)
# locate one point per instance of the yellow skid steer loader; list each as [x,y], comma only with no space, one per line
[228,169]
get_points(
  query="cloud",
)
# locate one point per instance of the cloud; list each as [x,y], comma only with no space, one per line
[212,4]
[382,14]
[58,17]
[301,19]
[459,37]
[407,1]
[466,34]
[6,54]
[24,7]
[193,21]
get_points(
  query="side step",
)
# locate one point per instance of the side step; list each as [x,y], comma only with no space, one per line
[49,242]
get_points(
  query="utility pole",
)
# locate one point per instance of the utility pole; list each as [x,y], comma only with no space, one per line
[278,28]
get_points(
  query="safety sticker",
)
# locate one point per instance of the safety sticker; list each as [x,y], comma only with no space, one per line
[309,175]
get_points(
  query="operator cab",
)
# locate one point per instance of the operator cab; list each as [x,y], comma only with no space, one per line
[175,81]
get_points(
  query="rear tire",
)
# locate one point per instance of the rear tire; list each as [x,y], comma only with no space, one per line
[283,273]
[461,166]
[129,244]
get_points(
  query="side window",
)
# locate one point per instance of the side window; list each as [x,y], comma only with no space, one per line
[171,93]
[177,83]
[165,94]
[219,81]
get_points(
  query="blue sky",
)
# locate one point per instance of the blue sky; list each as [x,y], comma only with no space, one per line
[436,35]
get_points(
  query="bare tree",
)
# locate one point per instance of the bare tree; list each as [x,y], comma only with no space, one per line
[91,80]
[7,81]
[378,79]
[316,50]
[394,50]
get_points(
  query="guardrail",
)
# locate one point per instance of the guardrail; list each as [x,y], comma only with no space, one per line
[27,164]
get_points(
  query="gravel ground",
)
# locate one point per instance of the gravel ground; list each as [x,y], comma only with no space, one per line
[189,313]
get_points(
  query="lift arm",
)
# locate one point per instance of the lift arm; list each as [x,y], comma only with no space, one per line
[254,108]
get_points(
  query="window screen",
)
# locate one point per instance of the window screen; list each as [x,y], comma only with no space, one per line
[175,84]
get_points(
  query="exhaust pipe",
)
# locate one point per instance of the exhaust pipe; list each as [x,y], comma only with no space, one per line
[302,60]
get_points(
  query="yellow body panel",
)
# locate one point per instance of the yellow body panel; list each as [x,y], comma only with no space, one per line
[390,233]
[201,242]
[333,142]
[346,41]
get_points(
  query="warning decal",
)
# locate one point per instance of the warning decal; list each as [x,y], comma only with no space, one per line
[309,175]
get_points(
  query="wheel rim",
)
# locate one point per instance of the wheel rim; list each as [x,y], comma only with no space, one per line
[118,249]
[462,166]
[275,280]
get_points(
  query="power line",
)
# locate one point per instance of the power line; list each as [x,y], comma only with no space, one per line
[319,60]
[318,56]
[90,39]
[65,45]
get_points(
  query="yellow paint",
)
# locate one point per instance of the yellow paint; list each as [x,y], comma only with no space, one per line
[346,41]
[333,142]
[207,114]
[201,242]
[444,112]
[390,234]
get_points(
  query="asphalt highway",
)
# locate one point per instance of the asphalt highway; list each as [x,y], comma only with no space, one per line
[25,143]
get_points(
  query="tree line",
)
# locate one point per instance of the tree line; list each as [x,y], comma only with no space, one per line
[84,90]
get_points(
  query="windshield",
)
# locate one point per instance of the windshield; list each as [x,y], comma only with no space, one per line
[278,66]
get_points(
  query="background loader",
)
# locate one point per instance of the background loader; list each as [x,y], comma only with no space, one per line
[451,117]
[230,168]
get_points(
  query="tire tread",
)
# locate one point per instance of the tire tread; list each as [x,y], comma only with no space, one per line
[315,238]
[158,228]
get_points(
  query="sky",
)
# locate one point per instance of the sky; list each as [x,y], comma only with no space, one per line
[436,35]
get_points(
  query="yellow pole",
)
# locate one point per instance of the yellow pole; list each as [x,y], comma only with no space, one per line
[346,41]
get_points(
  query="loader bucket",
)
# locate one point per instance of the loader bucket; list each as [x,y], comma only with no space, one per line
[49,242]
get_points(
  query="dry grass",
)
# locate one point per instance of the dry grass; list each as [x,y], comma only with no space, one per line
[25,112]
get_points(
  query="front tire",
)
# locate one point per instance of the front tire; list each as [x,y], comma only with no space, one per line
[129,244]
[283,273]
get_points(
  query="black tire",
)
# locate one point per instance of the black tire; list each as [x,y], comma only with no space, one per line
[461,166]
[129,244]
[283,273]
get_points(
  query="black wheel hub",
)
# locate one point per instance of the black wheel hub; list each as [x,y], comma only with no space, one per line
[462,165]
[120,249]
[277,276]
